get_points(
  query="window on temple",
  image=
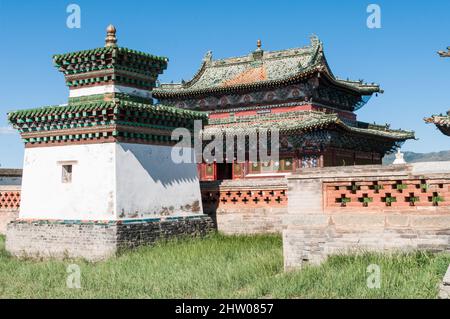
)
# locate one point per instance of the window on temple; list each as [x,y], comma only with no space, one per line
[309,161]
[66,174]
[286,164]
[237,170]
[268,167]
[209,170]
[283,165]
[254,168]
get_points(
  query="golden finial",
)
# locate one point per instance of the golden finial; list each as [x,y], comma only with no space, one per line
[111,40]
[258,44]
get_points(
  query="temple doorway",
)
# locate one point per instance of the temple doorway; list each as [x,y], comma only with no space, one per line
[224,171]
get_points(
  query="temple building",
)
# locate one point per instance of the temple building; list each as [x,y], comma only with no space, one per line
[441,121]
[98,173]
[293,91]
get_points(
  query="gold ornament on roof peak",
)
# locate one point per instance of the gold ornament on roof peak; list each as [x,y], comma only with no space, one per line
[111,40]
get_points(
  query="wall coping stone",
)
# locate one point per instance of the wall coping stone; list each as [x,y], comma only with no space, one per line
[245,183]
[437,169]
[15,188]
[10,172]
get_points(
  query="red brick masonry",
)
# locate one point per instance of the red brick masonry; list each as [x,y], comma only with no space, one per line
[246,206]
[10,180]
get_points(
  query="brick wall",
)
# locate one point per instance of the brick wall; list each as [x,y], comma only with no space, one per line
[96,240]
[246,206]
[341,209]
[10,181]
[9,205]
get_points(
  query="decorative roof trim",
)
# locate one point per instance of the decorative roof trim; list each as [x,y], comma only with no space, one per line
[59,58]
[319,120]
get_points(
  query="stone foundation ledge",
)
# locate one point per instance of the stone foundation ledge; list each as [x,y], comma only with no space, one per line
[97,240]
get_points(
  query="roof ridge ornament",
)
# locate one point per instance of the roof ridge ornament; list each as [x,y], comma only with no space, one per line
[258,53]
[314,39]
[258,44]
[111,40]
[208,56]
[445,54]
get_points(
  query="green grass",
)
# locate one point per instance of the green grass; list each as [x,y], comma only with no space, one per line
[222,267]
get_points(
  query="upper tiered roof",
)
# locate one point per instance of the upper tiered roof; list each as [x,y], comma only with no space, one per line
[110,64]
[260,69]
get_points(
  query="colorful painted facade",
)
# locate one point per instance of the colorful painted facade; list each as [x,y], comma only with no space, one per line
[293,91]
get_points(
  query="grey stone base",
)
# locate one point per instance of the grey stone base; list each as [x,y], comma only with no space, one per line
[96,240]
[313,245]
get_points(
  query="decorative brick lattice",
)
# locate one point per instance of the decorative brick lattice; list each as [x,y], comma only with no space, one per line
[387,194]
[9,200]
[247,198]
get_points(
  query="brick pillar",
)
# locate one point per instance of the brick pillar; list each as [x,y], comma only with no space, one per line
[305,225]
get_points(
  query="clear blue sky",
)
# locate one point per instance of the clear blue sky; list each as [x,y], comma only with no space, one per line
[401,56]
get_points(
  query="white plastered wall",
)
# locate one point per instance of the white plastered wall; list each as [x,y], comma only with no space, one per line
[90,195]
[109,181]
[150,183]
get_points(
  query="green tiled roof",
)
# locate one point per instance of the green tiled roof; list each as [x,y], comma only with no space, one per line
[268,68]
[299,121]
[60,58]
[58,110]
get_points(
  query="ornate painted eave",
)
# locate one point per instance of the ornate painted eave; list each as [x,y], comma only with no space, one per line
[268,69]
[96,121]
[442,122]
[363,88]
[68,110]
[300,121]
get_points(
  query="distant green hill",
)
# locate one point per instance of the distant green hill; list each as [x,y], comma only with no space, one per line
[411,157]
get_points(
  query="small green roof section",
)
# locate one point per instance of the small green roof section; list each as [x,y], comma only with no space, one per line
[300,121]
